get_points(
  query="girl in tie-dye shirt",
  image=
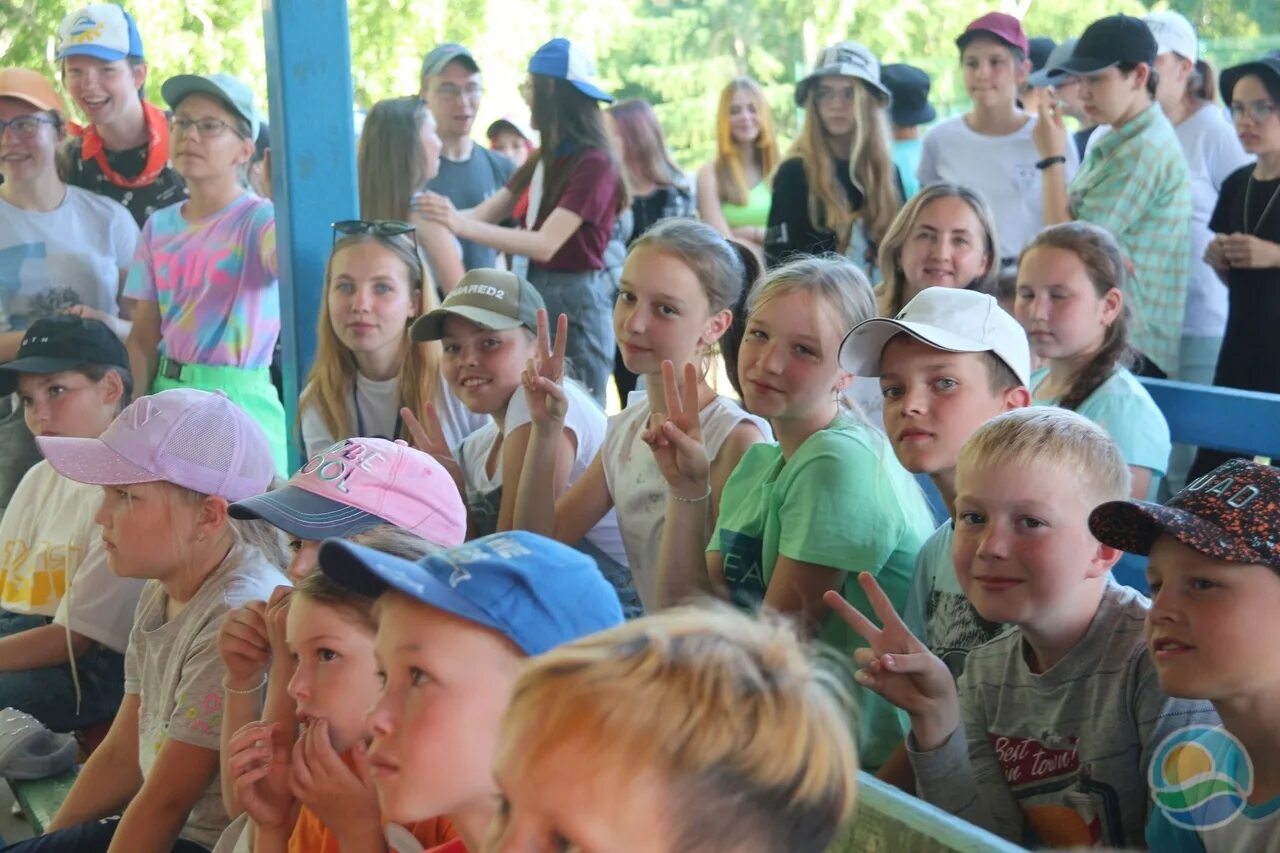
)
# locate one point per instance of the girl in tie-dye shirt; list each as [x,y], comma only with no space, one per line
[205,275]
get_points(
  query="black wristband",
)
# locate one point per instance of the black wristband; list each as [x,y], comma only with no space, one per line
[1051,161]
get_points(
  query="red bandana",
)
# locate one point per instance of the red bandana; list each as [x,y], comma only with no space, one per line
[92,148]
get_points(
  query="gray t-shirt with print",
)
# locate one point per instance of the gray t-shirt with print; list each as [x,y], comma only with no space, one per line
[174,668]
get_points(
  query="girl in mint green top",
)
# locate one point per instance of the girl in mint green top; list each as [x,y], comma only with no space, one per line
[733,190]
[1070,299]
[803,515]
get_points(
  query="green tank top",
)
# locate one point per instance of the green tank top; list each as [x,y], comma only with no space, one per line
[754,213]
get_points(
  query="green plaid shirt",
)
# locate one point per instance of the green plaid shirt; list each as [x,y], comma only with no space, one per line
[1135,184]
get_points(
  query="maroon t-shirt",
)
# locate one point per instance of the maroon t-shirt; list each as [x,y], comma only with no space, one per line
[592,193]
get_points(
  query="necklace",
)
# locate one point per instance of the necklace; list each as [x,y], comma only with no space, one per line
[1248,188]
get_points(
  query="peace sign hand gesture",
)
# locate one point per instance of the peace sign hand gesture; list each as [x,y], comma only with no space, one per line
[900,668]
[676,437]
[543,375]
[429,438]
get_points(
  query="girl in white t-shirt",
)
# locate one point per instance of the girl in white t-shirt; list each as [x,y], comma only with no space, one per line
[990,148]
[487,327]
[366,368]
[678,287]
[61,247]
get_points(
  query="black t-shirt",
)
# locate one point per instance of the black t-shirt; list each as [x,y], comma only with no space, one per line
[168,187]
[663,203]
[1251,346]
[791,231]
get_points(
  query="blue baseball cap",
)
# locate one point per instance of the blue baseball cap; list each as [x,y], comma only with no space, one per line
[102,30]
[533,590]
[563,60]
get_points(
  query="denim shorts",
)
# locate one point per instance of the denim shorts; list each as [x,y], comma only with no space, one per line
[586,298]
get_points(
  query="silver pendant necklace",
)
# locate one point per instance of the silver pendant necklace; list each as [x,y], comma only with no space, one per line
[1248,189]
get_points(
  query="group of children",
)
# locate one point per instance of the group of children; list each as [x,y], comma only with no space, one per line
[424,646]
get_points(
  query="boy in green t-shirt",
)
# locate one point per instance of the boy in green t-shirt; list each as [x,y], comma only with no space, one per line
[950,361]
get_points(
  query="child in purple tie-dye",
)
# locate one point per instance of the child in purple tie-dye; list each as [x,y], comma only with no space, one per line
[204,278]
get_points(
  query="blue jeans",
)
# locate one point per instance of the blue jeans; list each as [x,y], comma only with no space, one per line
[49,694]
[586,298]
[92,837]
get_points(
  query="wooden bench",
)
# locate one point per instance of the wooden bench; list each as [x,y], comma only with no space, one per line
[891,821]
[40,799]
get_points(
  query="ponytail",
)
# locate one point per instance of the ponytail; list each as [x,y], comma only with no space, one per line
[731,340]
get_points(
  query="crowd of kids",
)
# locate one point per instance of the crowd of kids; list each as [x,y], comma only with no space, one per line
[917,536]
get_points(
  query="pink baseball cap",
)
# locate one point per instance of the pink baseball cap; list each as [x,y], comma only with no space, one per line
[360,483]
[1006,28]
[195,439]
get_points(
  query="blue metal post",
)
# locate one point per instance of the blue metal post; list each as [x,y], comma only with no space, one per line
[313,166]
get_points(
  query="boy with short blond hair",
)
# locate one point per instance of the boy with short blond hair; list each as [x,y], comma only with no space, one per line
[1047,738]
[1214,570]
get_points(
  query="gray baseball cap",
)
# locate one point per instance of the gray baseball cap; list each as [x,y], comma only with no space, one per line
[442,54]
[493,299]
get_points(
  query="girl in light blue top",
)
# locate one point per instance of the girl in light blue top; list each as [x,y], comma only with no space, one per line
[1070,300]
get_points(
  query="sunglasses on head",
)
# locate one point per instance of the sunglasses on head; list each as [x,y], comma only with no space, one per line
[375,227]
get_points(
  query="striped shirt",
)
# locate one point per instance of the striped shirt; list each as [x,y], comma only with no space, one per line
[1135,183]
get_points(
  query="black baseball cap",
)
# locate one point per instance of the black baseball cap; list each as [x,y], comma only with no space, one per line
[910,88]
[64,342]
[1109,41]
[1038,50]
[1268,68]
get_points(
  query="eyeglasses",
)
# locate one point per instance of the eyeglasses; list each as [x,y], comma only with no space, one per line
[822,95]
[207,128]
[1259,111]
[25,127]
[453,93]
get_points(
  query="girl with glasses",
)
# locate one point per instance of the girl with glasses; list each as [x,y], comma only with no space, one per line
[204,280]
[838,190]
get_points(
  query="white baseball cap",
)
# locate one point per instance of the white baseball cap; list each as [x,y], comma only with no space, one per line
[948,318]
[1174,34]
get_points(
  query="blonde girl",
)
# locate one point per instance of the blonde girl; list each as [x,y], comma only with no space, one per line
[674,303]
[1071,300]
[838,191]
[740,735]
[366,369]
[803,514]
[324,773]
[169,465]
[733,189]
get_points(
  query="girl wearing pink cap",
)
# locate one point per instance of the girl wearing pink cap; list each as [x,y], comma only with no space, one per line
[379,493]
[169,466]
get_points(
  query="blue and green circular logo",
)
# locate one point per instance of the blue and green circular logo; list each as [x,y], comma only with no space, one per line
[1200,777]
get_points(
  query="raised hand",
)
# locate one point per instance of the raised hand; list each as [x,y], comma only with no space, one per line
[1249,252]
[429,438]
[435,208]
[1049,133]
[543,375]
[259,764]
[244,644]
[900,668]
[676,437]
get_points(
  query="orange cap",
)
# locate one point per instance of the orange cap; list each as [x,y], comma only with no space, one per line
[31,87]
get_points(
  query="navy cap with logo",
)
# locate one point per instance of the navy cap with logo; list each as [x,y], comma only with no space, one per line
[534,591]
[1113,40]
[1232,513]
[63,342]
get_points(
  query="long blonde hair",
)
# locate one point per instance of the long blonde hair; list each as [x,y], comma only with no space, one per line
[731,173]
[746,727]
[891,294]
[870,166]
[332,378]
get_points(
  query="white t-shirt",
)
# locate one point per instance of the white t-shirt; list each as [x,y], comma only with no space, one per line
[1213,151]
[638,488]
[1002,169]
[73,254]
[54,563]
[585,420]
[379,402]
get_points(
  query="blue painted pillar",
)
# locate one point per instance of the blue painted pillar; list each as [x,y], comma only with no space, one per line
[313,161]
